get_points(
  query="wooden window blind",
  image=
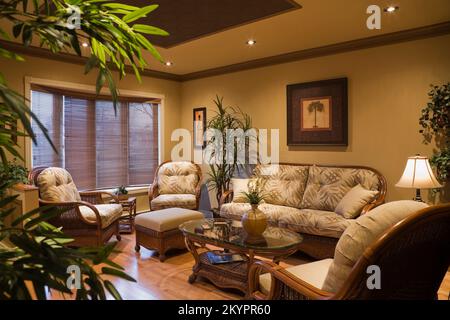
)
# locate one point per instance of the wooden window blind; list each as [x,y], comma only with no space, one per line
[100,148]
[48,108]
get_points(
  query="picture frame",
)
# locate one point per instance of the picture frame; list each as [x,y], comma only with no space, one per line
[199,127]
[317,113]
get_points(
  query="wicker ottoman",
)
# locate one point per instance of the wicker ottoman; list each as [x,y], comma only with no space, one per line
[158,230]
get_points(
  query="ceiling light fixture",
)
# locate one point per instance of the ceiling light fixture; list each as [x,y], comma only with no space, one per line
[251,42]
[391,9]
[168,63]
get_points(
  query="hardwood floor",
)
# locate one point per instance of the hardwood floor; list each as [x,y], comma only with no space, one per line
[168,280]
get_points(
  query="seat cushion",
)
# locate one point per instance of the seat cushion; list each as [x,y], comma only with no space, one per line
[166,219]
[273,212]
[108,213]
[313,273]
[316,222]
[284,185]
[363,232]
[178,178]
[327,186]
[164,201]
[56,184]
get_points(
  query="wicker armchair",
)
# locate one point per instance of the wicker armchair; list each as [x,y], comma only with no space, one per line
[86,217]
[176,184]
[413,256]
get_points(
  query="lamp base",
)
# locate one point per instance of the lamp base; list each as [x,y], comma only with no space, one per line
[418,197]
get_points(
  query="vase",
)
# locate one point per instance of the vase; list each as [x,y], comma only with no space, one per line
[254,223]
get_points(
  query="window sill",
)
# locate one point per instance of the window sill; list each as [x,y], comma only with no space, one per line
[141,190]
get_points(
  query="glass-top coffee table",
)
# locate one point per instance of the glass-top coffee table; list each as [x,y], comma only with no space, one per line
[229,239]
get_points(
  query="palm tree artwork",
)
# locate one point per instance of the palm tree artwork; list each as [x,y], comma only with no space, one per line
[315,106]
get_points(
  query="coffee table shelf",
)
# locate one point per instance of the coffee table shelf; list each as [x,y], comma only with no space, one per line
[276,243]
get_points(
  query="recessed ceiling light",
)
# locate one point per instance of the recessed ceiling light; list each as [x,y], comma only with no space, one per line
[251,42]
[85,44]
[391,9]
[168,63]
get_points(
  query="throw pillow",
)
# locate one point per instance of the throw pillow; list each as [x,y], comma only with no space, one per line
[352,203]
[239,186]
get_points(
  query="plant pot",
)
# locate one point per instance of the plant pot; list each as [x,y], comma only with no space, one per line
[254,223]
[122,197]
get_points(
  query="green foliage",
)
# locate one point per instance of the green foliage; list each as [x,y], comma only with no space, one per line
[435,123]
[121,190]
[37,253]
[255,194]
[221,171]
[113,43]
[11,173]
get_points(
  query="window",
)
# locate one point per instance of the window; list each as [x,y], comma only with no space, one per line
[100,148]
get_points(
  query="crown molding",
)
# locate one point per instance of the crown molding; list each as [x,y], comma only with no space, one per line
[358,44]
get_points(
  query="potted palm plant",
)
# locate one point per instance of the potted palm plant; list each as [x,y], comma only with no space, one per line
[221,171]
[254,221]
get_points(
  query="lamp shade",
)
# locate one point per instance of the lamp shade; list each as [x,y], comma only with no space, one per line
[418,174]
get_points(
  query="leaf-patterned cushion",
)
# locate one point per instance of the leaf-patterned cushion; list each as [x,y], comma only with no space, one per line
[56,184]
[165,201]
[284,185]
[178,178]
[327,186]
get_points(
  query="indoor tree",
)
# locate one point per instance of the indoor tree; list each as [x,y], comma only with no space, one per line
[39,257]
[221,169]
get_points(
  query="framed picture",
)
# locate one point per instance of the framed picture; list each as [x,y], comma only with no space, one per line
[317,113]
[199,120]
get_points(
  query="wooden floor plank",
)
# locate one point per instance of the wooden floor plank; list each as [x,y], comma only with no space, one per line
[168,280]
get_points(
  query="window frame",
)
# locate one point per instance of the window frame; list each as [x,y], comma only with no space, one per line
[90,89]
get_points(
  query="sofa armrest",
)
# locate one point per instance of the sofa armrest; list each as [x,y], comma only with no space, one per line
[96,197]
[226,197]
[375,203]
[71,207]
[280,277]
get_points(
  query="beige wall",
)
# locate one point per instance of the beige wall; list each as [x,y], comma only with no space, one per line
[387,88]
[15,73]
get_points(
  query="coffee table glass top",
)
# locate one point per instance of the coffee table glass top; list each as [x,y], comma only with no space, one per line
[231,232]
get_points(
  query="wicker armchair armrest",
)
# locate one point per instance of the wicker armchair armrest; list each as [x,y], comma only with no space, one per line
[74,206]
[96,197]
[152,192]
[281,277]
[226,197]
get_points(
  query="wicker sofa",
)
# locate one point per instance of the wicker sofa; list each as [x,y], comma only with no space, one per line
[303,198]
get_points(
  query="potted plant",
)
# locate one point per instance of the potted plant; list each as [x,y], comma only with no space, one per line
[221,172]
[254,221]
[12,173]
[121,192]
[435,123]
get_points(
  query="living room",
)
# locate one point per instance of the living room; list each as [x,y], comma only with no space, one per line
[347,102]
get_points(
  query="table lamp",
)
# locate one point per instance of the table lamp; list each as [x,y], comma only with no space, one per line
[418,175]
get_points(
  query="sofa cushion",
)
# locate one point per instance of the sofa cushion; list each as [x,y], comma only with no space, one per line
[361,234]
[316,222]
[239,186]
[163,201]
[108,213]
[178,178]
[313,273]
[166,219]
[354,201]
[284,185]
[56,184]
[327,186]
[273,212]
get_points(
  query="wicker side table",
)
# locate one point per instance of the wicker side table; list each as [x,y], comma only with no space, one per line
[126,222]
